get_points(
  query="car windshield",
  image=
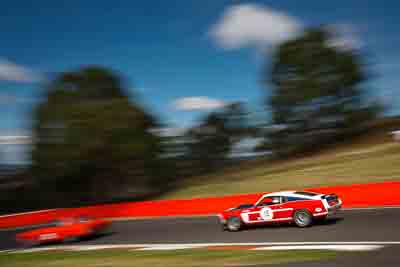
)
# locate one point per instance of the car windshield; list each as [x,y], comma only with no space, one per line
[56,223]
[269,201]
[245,206]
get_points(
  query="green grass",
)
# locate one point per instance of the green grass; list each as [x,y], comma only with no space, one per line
[372,158]
[184,258]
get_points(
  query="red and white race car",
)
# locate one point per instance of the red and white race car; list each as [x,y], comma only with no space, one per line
[299,207]
[63,230]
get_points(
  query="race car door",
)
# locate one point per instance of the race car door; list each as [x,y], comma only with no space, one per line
[268,209]
[261,212]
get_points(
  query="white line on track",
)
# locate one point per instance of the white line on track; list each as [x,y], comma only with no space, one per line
[344,246]
[273,243]
[25,213]
[324,247]
[171,247]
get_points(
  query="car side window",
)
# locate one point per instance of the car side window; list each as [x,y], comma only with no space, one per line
[295,199]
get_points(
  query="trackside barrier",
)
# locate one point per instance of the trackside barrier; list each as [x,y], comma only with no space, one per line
[360,195]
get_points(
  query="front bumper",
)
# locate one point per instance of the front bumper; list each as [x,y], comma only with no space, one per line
[221,218]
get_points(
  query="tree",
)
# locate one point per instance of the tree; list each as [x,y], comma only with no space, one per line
[235,117]
[209,143]
[93,143]
[318,91]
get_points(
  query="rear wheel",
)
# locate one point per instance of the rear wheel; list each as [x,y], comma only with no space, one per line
[234,224]
[303,218]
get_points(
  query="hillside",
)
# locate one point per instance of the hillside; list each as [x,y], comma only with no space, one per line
[371,157]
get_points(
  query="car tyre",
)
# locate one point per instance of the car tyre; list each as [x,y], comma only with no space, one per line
[303,218]
[234,224]
[224,227]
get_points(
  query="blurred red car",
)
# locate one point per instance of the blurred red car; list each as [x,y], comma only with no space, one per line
[64,230]
[301,208]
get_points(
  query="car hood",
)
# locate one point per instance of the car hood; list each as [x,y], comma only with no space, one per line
[32,233]
[241,206]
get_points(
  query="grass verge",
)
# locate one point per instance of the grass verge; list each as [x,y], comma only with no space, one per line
[372,158]
[184,258]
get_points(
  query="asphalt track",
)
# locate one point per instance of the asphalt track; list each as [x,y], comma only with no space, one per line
[349,226]
[375,225]
[358,225]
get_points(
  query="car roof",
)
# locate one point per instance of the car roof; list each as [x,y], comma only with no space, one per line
[294,194]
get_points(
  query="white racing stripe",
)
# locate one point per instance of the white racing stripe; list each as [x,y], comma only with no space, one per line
[271,220]
[321,213]
[324,247]
[371,208]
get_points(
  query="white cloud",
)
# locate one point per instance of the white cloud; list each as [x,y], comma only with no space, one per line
[15,140]
[170,131]
[198,103]
[253,25]
[10,71]
[11,99]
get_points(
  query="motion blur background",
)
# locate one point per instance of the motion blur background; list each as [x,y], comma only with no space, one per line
[124,100]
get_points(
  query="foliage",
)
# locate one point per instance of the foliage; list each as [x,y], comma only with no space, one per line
[92,142]
[210,142]
[319,91]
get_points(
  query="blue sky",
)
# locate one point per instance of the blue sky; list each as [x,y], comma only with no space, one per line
[204,52]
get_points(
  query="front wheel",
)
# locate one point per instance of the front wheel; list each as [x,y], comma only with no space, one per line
[234,224]
[71,239]
[303,218]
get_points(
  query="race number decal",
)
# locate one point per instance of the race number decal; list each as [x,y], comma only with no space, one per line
[266,214]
